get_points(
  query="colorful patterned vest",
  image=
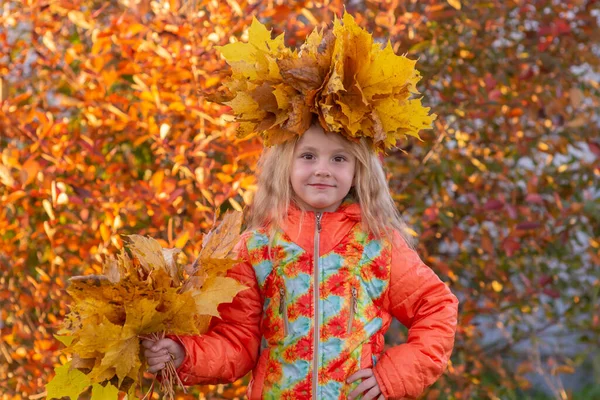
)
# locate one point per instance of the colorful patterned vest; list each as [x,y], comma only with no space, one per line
[315,339]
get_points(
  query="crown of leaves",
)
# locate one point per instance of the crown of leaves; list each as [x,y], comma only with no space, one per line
[354,86]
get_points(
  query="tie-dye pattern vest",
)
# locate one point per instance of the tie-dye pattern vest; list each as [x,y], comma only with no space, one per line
[352,281]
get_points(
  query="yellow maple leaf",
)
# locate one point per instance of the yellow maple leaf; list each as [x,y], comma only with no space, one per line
[93,339]
[148,252]
[114,348]
[215,291]
[254,58]
[170,256]
[143,316]
[206,284]
[219,242]
[68,382]
[107,392]
[372,88]
[95,297]
[123,356]
[112,269]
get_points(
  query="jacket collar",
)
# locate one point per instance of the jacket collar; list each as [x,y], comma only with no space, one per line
[300,226]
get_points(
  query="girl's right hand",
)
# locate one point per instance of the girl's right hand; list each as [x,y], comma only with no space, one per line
[159,353]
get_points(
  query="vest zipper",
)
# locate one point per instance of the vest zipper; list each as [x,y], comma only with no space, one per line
[315,375]
[283,311]
[353,307]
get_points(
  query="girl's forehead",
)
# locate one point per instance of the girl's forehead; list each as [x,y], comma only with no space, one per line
[316,136]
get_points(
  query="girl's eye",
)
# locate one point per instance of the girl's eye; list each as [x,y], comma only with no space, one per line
[339,158]
[307,156]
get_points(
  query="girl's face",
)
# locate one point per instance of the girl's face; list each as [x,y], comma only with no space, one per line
[322,170]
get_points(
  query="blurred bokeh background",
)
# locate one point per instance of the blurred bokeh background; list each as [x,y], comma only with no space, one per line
[105,131]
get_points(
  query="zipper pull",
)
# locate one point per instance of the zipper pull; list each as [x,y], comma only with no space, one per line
[319,216]
[354,299]
[281,300]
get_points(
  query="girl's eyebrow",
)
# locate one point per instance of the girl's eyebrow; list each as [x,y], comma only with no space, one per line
[314,149]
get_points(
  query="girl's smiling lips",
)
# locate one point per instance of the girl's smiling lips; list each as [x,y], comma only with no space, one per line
[320,185]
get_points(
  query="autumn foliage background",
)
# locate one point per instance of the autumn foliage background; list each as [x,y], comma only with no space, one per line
[105,131]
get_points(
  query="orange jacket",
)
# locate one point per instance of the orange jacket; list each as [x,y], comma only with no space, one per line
[309,351]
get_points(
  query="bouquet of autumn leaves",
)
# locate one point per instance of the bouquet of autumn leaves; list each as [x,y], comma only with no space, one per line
[136,298]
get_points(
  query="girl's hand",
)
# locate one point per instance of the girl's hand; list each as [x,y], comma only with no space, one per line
[159,353]
[368,386]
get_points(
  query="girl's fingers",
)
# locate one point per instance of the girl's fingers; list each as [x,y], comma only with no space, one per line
[158,360]
[151,354]
[371,394]
[364,385]
[363,373]
[163,344]
[155,368]
[176,349]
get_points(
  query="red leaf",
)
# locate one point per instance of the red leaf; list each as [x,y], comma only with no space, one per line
[493,204]
[534,198]
[431,214]
[528,225]
[510,246]
[555,294]
[512,212]
[459,235]
[594,148]
[544,280]
[472,198]
[561,26]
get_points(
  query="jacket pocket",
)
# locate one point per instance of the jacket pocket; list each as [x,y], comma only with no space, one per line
[366,356]
[353,307]
[256,385]
[283,311]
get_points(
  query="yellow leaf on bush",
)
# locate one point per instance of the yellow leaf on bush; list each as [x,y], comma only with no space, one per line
[455,3]
[78,18]
[497,286]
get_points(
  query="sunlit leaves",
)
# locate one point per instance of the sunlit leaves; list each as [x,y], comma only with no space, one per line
[523,82]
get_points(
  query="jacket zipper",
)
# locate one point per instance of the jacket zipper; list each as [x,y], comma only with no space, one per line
[353,307]
[315,376]
[283,310]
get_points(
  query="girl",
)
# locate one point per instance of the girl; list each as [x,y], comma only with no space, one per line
[327,264]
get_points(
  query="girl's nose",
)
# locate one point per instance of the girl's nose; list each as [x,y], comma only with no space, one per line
[322,172]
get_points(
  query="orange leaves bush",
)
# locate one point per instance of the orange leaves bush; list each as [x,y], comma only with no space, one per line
[104,131]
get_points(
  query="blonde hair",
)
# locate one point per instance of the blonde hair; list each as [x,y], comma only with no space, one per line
[274,194]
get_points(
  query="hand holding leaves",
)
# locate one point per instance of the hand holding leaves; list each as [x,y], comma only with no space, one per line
[144,296]
[159,353]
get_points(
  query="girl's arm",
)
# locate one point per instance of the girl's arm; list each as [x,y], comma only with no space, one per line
[229,350]
[425,305]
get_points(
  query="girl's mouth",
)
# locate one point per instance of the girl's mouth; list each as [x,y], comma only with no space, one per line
[320,186]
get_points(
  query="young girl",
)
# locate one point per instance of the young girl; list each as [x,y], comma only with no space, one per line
[327,264]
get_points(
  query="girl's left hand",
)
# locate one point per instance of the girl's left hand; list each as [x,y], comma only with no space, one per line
[368,386]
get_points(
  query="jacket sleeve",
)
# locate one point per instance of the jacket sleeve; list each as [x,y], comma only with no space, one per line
[229,350]
[427,307]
